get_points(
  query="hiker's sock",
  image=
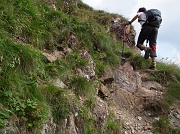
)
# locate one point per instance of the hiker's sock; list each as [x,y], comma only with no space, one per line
[147,52]
[153,65]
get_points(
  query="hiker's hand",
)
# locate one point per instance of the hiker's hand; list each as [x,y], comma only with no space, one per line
[128,23]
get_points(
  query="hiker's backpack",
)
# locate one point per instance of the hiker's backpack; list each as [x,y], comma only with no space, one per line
[153,17]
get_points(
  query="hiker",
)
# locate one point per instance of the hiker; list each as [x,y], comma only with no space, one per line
[148,31]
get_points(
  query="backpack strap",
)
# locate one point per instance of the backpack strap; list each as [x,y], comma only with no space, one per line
[141,20]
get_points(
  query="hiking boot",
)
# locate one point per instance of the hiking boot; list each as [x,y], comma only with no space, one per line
[147,53]
[153,66]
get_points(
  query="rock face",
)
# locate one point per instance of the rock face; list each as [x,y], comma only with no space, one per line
[100,112]
[127,95]
[130,98]
[127,79]
[49,127]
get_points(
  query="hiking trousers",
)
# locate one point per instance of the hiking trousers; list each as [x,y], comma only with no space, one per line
[150,33]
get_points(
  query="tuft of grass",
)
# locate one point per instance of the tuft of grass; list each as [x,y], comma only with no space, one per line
[166,73]
[58,101]
[75,60]
[90,102]
[112,126]
[161,125]
[100,67]
[82,86]
[172,70]
[138,62]
[89,121]
[172,92]
[16,56]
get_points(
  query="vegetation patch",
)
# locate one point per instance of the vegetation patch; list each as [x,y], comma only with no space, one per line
[59,102]
[112,125]
[82,86]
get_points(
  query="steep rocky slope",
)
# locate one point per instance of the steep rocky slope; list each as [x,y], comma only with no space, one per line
[62,73]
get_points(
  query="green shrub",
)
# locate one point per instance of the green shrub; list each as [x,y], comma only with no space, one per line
[26,110]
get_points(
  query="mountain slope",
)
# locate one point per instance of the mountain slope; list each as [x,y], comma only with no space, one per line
[58,60]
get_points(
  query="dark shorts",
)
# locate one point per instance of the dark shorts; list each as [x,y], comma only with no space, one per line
[150,33]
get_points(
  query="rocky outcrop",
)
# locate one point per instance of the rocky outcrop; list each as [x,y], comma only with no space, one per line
[129,98]
[117,27]
[100,112]
[49,126]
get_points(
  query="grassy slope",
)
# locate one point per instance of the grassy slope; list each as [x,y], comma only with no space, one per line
[27,28]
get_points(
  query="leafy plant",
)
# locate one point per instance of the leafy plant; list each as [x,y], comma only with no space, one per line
[28,110]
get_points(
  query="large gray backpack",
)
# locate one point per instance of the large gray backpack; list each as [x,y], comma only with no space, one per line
[153,17]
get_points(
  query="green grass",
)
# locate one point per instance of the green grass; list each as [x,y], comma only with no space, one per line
[172,70]
[162,126]
[112,126]
[58,100]
[90,126]
[173,93]
[82,87]
[138,62]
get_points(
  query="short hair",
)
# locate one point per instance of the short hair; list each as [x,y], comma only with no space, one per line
[142,9]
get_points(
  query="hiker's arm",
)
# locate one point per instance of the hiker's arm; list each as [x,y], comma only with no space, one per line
[133,19]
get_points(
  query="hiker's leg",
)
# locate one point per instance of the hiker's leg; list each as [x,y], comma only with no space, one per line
[144,33]
[152,43]
[153,63]
[153,59]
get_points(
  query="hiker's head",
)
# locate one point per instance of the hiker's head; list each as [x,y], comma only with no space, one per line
[142,9]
